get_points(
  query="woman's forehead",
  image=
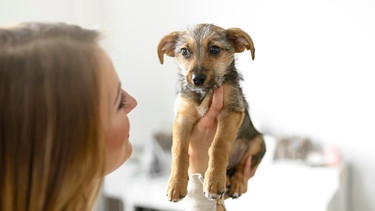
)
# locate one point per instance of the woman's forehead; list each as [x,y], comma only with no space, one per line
[108,76]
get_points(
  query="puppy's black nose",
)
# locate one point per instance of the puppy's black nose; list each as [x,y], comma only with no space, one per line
[198,79]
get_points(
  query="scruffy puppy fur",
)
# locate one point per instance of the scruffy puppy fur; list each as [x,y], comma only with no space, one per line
[205,57]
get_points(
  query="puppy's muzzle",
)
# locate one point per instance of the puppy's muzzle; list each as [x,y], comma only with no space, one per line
[199,79]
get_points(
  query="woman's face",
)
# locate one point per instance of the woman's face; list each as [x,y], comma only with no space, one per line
[117,104]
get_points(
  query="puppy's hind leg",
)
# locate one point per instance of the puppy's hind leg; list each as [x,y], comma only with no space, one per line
[237,183]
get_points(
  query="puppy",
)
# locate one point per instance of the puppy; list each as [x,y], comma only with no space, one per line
[205,57]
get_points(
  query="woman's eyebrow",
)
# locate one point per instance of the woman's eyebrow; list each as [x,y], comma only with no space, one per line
[118,93]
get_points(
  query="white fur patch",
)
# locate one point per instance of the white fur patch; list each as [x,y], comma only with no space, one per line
[202,111]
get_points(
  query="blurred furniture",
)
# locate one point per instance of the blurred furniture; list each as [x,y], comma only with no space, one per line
[282,185]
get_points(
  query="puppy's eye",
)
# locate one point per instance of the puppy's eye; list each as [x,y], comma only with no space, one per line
[185,53]
[214,50]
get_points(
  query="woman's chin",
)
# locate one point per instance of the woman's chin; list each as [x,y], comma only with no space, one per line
[115,163]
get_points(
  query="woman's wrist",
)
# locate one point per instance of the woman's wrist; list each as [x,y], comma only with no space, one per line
[198,159]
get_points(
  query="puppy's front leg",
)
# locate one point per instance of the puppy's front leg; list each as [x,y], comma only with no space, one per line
[215,177]
[182,128]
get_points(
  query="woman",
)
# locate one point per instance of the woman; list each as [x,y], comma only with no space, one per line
[63,119]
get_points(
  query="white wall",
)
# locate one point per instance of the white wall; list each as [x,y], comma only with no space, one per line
[312,74]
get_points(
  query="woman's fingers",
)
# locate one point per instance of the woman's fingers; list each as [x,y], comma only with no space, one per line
[217,104]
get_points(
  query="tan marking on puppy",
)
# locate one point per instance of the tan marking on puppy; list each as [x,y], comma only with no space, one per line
[167,46]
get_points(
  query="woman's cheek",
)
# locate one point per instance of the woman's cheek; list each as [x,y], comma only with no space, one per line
[119,148]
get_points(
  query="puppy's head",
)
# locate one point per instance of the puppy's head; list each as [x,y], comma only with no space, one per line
[204,52]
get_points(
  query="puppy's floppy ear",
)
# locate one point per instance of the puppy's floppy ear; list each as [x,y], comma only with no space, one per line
[241,40]
[167,45]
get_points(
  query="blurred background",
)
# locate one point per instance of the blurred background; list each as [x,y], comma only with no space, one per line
[312,77]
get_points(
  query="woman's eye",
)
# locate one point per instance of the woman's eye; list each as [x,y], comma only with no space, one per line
[185,53]
[122,101]
[214,50]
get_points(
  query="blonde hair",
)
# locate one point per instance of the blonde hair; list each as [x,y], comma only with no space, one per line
[51,135]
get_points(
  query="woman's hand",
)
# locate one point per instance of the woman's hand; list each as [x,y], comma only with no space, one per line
[247,172]
[203,135]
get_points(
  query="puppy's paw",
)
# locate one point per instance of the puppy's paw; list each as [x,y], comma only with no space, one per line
[236,187]
[214,185]
[177,188]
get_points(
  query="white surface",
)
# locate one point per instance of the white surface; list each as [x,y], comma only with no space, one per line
[281,186]
[135,189]
[288,186]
